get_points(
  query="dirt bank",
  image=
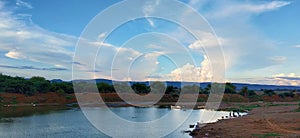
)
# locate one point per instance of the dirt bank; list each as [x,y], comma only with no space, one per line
[49,98]
[269,120]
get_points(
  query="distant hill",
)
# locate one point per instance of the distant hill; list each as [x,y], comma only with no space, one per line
[263,86]
[56,80]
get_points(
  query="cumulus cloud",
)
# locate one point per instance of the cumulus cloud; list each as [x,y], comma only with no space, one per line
[244,44]
[192,73]
[245,48]
[187,72]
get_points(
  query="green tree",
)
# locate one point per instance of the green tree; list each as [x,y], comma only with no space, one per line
[207,89]
[190,89]
[60,92]
[247,93]
[41,84]
[157,87]
[287,94]
[140,88]
[230,88]
[122,87]
[171,90]
[67,87]
[269,92]
[105,87]
[244,91]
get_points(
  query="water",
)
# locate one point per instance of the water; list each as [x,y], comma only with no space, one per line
[73,123]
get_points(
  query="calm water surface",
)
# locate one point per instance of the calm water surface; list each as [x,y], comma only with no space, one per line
[73,123]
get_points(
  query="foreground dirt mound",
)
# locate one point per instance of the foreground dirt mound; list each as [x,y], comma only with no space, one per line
[281,120]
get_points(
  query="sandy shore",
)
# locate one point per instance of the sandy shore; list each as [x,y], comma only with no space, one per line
[275,120]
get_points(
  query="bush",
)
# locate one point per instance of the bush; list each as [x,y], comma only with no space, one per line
[201,100]
[269,92]
[287,94]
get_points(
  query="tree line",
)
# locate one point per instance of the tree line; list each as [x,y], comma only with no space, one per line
[34,85]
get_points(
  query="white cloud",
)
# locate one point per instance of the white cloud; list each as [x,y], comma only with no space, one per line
[187,72]
[235,8]
[24,4]
[297,46]
[149,9]
[101,36]
[208,40]
[192,73]
[14,54]
[197,3]
[16,33]
[243,45]
[286,79]
[263,7]
[278,59]
[110,60]
[28,43]
[118,63]
[136,66]
[245,48]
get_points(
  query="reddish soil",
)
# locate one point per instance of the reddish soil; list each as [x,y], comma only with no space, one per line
[45,98]
[266,121]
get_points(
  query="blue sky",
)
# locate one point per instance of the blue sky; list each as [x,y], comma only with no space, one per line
[260,41]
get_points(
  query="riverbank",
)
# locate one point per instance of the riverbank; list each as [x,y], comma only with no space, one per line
[50,98]
[265,120]
[22,111]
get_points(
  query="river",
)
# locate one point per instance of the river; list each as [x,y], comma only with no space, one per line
[73,123]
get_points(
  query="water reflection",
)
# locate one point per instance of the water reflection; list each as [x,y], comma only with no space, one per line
[72,123]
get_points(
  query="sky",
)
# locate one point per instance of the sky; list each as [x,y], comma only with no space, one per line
[259,39]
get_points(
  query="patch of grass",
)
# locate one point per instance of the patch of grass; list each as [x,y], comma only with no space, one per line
[69,97]
[201,100]
[266,135]
[243,108]
[14,100]
[271,104]
[297,110]
[232,109]
[249,107]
